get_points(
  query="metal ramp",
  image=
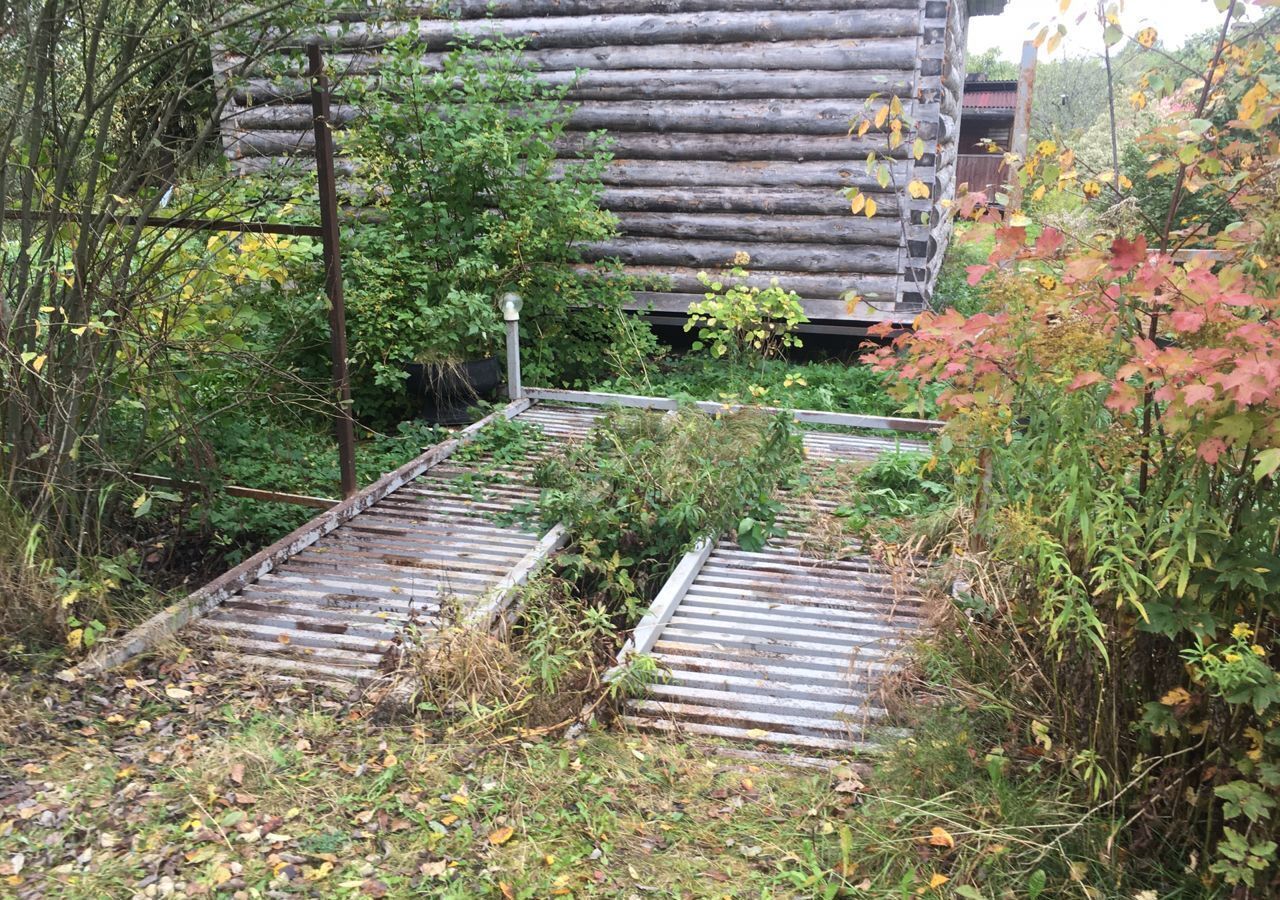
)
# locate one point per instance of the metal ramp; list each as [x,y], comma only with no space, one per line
[444,538]
[786,646]
[442,548]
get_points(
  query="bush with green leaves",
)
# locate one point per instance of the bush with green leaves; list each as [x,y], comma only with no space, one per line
[645,488]
[460,165]
[738,318]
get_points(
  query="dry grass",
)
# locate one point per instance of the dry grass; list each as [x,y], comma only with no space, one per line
[30,611]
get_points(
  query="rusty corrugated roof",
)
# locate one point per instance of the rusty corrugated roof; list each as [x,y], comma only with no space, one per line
[990,94]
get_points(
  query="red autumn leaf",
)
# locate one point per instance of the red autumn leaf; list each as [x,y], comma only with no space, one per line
[1123,397]
[1126,254]
[1049,242]
[1187,320]
[1211,449]
[1197,393]
[976,273]
[1083,380]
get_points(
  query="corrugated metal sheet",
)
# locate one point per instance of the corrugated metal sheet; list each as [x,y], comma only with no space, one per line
[434,549]
[786,646]
[998,95]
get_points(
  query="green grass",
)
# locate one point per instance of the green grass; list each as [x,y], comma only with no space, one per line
[223,785]
[830,386]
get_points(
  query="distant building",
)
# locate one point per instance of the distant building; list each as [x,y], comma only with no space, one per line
[986,127]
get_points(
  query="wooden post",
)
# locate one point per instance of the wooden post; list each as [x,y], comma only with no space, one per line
[1022,117]
[344,425]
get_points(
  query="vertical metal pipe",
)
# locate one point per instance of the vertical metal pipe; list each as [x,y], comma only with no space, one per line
[344,424]
[514,389]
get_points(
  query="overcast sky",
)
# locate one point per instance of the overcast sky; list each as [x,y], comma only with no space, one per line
[1174,20]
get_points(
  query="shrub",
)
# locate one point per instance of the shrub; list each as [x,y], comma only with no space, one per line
[738,319]
[645,488]
[461,165]
[1115,414]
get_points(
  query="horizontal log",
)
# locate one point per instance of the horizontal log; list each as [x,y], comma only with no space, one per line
[737,227]
[838,55]
[630,145]
[712,27]
[736,147]
[788,117]
[797,201]
[481,9]
[802,258]
[781,116]
[835,286]
[643,84]
[700,173]
[860,310]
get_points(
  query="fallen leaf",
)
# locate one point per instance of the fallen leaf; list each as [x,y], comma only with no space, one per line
[940,837]
[501,836]
[237,773]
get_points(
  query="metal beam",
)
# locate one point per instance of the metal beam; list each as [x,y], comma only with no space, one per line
[804,416]
[343,420]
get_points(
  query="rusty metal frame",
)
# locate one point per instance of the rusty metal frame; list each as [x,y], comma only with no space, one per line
[327,231]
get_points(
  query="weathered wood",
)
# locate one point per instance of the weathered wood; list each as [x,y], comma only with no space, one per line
[844,229]
[736,147]
[791,117]
[874,307]
[714,109]
[797,201]
[477,9]
[811,417]
[692,174]
[828,287]
[634,146]
[842,55]
[645,84]
[803,258]
[716,26]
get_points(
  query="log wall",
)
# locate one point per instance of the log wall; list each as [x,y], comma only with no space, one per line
[730,122]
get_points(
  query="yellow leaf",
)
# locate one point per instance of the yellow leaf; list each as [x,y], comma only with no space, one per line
[859,201]
[940,837]
[937,880]
[882,114]
[1176,696]
[75,637]
[870,208]
[1063,6]
[38,362]
[1019,220]
[389,760]
[502,835]
[1147,37]
[918,189]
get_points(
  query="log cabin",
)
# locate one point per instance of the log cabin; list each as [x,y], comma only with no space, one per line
[730,123]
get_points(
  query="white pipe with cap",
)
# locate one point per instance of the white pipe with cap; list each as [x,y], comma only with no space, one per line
[511,305]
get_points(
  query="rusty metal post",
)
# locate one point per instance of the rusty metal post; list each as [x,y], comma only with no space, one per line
[1022,117]
[344,424]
